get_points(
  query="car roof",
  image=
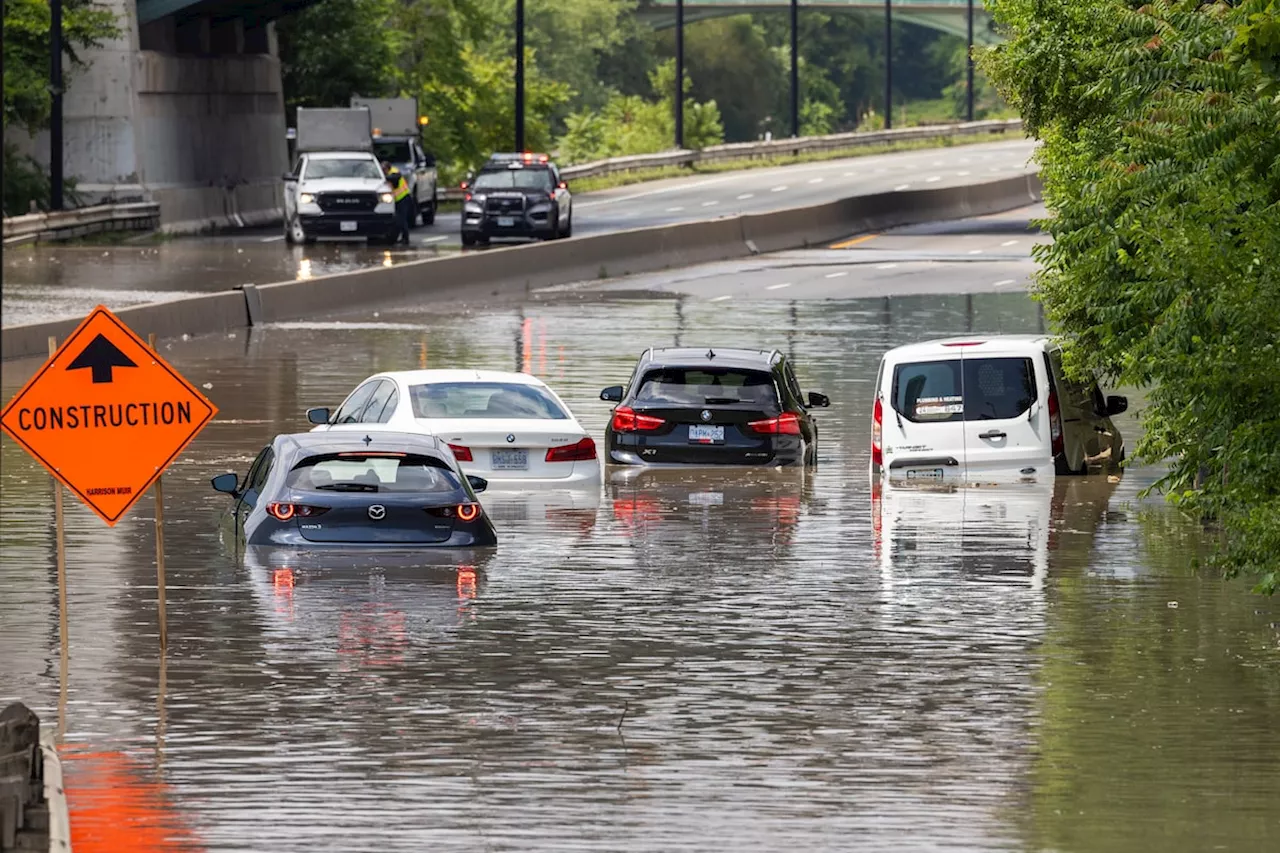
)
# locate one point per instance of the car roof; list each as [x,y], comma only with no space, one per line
[429,377]
[341,155]
[297,445]
[971,344]
[710,357]
[527,157]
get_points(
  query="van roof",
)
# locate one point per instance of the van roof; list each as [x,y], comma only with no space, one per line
[973,344]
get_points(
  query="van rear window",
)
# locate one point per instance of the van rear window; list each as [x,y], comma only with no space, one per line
[975,389]
[687,386]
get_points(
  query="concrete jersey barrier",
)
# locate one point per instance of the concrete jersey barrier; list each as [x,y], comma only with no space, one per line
[517,270]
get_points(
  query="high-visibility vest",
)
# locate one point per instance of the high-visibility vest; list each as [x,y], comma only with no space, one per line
[402,187]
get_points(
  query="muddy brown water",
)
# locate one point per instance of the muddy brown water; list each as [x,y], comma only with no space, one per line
[682,661]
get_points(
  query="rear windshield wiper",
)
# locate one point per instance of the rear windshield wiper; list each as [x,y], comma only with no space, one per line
[347,487]
[719,401]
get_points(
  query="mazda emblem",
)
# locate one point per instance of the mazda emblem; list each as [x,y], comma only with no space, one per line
[377,512]
[511,439]
[706,415]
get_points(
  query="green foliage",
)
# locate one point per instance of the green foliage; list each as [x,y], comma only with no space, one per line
[1161,163]
[27,97]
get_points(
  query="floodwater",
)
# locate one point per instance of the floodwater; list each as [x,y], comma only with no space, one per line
[51,282]
[683,661]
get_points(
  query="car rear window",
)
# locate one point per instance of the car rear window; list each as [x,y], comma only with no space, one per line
[975,389]
[355,472]
[484,400]
[687,386]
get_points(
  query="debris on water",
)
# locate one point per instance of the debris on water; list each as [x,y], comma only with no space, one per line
[1173,605]
[206,386]
[185,336]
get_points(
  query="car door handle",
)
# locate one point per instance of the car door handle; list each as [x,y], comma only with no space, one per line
[992,433]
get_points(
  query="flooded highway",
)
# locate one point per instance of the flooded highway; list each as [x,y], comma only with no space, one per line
[682,660]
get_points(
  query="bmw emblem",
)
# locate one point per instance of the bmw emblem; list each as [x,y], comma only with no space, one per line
[706,415]
[377,512]
[511,439]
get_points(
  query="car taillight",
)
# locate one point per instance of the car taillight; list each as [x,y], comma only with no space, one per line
[877,425]
[626,419]
[787,423]
[461,453]
[465,512]
[583,451]
[284,512]
[1055,424]
[468,512]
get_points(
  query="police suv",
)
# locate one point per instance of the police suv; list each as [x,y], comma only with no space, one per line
[516,195]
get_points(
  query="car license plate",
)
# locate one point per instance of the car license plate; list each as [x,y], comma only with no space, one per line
[509,460]
[924,474]
[706,434]
[347,226]
[506,221]
[706,498]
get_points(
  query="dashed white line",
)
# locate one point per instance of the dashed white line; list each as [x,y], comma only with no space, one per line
[778,189]
[719,298]
[710,203]
[901,187]
[836,274]
[746,196]
[778,286]
[273,239]
[1009,243]
[816,180]
[850,174]
[1003,282]
[962,174]
[936,163]
[932,179]
[975,251]
[436,239]
[885,266]
[674,209]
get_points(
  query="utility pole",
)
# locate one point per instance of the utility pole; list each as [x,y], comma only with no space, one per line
[519,75]
[679,73]
[969,85]
[55,115]
[795,68]
[888,64]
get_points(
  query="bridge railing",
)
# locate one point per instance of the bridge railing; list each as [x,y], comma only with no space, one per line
[69,224]
[788,147]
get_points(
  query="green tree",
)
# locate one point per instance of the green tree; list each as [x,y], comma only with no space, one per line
[27,100]
[730,63]
[1161,164]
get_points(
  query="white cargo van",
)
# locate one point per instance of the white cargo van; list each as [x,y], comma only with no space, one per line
[987,409]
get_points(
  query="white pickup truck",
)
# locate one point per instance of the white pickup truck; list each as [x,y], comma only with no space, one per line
[336,189]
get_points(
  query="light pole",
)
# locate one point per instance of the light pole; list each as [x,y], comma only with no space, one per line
[679,73]
[55,115]
[969,84]
[795,68]
[888,64]
[519,75]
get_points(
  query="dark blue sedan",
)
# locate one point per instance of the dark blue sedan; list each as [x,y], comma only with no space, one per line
[331,489]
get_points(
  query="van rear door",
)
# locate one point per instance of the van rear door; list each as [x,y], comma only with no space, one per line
[1006,424]
[921,414]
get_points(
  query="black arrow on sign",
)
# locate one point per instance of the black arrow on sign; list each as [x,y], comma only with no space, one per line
[100,356]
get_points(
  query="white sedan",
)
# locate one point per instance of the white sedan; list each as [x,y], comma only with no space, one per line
[506,427]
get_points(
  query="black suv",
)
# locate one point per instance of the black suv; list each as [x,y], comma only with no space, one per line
[687,406]
[516,195]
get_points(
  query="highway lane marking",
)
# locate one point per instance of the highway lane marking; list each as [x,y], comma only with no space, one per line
[900,187]
[674,209]
[850,174]
[975,251]
[1003,282]
[1009,243]
[436,239]
[273,239]
[719,298]
[778,189]
[746,196]
[710,203]
[885,266]
[836,274]
[845,244]
[933,179]
[962,174]
[816,180]
[778,286]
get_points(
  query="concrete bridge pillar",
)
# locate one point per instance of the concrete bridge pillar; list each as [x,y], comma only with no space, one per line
[185,112]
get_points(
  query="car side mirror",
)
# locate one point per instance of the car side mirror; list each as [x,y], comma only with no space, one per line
[818,401]
[1117,405]
[225,483]
[478,484]
[318,416]
[612,394]
[429,160]
[289,177]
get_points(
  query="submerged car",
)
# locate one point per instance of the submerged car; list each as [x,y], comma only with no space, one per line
[694,406]
[988,408]
[351,488]
[506,427]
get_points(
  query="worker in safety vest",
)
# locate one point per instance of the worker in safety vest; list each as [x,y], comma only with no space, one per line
[404,209]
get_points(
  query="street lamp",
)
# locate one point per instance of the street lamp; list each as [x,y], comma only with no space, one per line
[519,75]
[888,64]
[55,115]
[795,68]
[679,73]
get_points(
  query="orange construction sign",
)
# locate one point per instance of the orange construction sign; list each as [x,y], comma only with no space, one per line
[106,415]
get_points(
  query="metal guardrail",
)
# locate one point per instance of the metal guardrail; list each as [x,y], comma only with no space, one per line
[790,146]
[68,224]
